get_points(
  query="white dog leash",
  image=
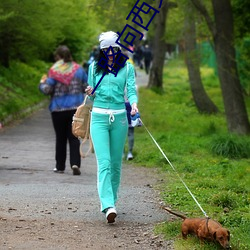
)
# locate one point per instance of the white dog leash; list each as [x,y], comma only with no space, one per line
[174,170]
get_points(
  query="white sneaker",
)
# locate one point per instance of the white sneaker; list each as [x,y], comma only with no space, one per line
[58,171]
[111,214]
[130,156]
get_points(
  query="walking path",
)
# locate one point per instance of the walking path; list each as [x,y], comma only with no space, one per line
[40,209]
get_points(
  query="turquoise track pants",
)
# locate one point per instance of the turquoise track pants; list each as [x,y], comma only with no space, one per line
[108,136]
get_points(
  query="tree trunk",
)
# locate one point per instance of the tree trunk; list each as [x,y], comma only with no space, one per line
[159,48]
[235,109]
[201,99]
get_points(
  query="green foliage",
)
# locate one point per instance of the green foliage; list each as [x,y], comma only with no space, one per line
[112,14]
[219,183]
[241,17]
[41,29]
[170,230]
[243,60]
[19,87]
[176,18]
[242,37]
[175,24]
[210,129]
[231,146]
[224,200]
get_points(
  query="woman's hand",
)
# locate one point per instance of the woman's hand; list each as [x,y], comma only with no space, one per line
[43,79]
[134,109]
[89,90]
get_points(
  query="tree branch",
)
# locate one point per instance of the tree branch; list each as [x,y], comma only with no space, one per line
[202,9]
[172,5]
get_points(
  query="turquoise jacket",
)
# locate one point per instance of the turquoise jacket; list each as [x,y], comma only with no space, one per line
[110,92]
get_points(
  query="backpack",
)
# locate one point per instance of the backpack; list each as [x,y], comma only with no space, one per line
[81,126]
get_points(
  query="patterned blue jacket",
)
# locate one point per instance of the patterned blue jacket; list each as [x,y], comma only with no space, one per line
[65,97]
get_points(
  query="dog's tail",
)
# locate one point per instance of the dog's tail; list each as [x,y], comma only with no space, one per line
[175,213]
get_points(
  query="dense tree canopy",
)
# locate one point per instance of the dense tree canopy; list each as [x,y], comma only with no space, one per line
[33,29]
[28,31]
[241,18]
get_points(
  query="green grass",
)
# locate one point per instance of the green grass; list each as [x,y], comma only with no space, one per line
[214,164]
[19,88]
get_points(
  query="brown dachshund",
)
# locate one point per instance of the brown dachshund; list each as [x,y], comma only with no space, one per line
[204,229]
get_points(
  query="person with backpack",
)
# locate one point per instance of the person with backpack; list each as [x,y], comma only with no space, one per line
[109,123]
[65,83]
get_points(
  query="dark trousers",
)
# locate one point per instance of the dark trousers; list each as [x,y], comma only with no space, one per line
[130,129]
[131,139]
[62,122]
[147,65]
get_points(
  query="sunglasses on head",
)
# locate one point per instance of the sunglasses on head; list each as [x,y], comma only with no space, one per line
[115,49]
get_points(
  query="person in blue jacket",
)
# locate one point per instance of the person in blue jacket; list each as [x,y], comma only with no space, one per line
[109,123]
[65,83]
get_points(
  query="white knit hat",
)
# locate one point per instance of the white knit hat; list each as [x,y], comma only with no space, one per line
[108,39]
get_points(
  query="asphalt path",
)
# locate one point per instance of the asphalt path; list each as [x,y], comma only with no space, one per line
[31,190]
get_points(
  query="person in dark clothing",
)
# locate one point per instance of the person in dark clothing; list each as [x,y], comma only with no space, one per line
[138,56]
[130,133]
[147,58]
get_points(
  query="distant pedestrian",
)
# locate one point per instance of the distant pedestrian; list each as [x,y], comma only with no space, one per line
[109,123]
[147,54]
[130,127]
[138,56]
[65,84]
[93,55]
[130,133]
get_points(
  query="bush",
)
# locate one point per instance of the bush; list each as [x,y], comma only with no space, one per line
[19,88]
[224,200]
[231,146]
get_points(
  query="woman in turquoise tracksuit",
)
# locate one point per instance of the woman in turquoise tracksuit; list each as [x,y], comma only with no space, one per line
[109,123]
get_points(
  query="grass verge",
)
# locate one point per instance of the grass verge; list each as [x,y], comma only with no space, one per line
[19,89]
[214,164]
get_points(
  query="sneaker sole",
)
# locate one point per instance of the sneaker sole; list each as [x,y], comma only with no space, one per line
[76,171]
[111,217]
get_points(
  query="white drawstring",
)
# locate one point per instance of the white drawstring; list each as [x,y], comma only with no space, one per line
[111,117]
[110,112]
